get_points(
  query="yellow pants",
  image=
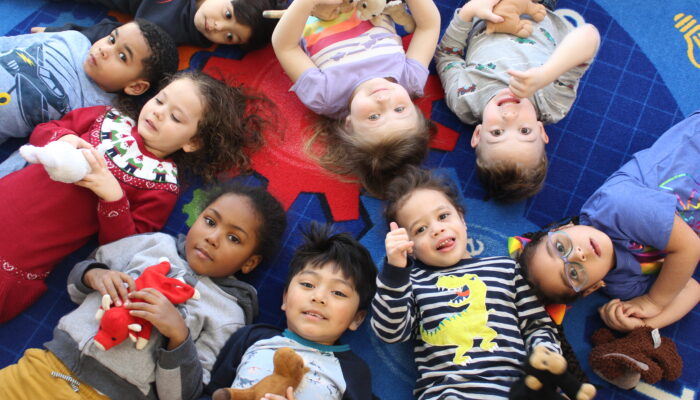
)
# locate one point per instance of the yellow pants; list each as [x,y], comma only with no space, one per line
[39,374]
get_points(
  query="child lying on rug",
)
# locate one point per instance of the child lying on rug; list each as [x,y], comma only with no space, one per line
[359,76]
[637,238]
[510,87]
[192,22]
[329,286]
[194,127]
[237,229]
[476,319]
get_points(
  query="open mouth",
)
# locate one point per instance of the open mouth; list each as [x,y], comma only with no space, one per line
[313,314]
[507,100]
[446,244]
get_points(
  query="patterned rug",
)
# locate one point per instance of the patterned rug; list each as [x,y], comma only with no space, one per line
[640,85]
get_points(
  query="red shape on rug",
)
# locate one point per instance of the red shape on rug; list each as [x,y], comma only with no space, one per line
[282,160]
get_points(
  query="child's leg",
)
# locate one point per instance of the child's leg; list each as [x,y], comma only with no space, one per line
[31,378]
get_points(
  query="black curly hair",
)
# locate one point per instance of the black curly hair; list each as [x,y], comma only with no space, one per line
[321,247]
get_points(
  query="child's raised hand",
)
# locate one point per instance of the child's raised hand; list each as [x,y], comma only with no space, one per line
[614,316]
[100,180]
[159,311]
[270,396]
[37,29]
[107,281]
[524,84]
[398,245]
[76,141]
[480,8]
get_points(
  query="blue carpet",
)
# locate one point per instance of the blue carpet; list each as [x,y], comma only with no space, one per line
[643,81]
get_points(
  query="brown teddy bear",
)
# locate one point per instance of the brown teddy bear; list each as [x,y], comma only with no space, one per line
[289,369]
[546,372]
[511,10]
[642,354]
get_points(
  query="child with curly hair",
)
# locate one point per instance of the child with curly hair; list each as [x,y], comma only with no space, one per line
[359,76]
[196,126]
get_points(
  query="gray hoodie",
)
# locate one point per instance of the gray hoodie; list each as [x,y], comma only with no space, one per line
[225,305]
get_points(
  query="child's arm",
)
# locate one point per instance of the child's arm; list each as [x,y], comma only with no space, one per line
[393,307]
[425,37]
[286,36]
[75,123]
[578,47]
[99,179]
[93,32]
[535,324]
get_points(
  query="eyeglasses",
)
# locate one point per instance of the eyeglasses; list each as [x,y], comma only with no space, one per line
[561,244]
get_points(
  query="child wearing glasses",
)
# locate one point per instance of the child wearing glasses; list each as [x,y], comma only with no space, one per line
[474,320]
[637,238]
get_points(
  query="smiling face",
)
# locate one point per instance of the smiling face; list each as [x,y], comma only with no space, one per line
[380,107]
[436,228]
[510,131]
[168,122]
[591,248]
[215,20]
[115,62]
[222,240]
[320,304]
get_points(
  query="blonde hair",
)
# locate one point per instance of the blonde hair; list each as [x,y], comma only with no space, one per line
[371,163]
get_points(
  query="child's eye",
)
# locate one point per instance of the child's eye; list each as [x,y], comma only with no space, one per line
[209,221]
[122,57]
[420,230]
[112,39]
[525,131]
[560,247]
[399,109]
[158,101]
[234,239]
[373,117]
[306,285]
[496,132]
[339,293]
[228,14]
[229,37]
[174,118]
[443,216]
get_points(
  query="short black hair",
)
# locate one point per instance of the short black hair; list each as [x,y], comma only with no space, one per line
[249,12]
[273,219]
[321,247]
[164,58]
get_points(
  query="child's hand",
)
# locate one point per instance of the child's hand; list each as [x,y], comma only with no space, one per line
[159,311]
[107,281]
[642,307]
[270,396]
[398,246]
[524,84]
[37,29]
[76,141]
[480,8]
[100,180]
[614,316]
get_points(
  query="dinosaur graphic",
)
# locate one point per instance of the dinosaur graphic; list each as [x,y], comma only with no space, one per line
[463,327]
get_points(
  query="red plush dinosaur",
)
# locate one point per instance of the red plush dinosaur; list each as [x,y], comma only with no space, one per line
[116,323]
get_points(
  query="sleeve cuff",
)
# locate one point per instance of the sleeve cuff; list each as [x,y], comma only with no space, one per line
[396,276]
[185,353]
[78,272]
[113,209]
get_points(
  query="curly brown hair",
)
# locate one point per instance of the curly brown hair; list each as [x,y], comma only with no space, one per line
[230,128]
[371,163]
[508,181]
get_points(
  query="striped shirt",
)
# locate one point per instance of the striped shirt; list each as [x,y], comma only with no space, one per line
[474,324]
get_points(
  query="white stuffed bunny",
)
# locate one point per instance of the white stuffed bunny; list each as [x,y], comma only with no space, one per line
[62,161]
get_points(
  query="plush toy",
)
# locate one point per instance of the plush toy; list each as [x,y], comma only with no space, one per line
[62,161]
[641,354]
[396,9]
[288,370]
[325,12]
[545,372]
[511,10]
[116,323]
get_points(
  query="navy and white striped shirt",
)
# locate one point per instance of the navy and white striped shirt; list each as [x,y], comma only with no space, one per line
[474,324]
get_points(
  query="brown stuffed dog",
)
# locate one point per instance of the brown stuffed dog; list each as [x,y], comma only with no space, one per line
[511,10]
[289,369]
[545,373]
[624,361]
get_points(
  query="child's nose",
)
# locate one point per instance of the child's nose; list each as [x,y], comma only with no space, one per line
[318,297]
[212,239]
[580,254]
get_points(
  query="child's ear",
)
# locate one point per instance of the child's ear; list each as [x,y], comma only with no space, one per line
[596,286]
[251,263]
[137,87]
[283,307]
[348,123]
[545,138]
[476,136]
[357,321]
[191,146]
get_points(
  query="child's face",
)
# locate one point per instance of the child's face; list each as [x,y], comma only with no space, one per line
[379,106]
[321,304]
[437,229]
[115,62]
[510,131]
[222,239]
[215,20]
[585,245]
[168,122]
